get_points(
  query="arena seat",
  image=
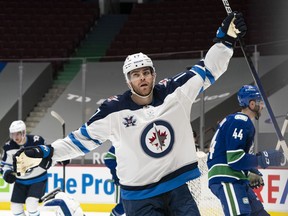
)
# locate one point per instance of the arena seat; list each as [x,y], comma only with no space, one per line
[193,25]
[55,27]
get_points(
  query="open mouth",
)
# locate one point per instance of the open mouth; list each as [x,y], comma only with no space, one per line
[144,85]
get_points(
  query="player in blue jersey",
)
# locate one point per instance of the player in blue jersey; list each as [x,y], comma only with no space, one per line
[111,163]
[149,126]
[232,164]
[28,189]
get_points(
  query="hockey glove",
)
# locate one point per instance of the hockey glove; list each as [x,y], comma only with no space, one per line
[232,26]
[255,178]
[29,157]
[9,177]
[269,158]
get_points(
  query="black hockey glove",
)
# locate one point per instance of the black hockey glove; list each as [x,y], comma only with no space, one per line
[255,178]
[9,177]
[269,158]
[114,176]
[233,26]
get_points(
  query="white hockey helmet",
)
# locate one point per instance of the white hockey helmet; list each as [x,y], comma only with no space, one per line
[134,61]
[17,126]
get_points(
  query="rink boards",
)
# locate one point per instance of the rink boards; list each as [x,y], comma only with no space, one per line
[93,188]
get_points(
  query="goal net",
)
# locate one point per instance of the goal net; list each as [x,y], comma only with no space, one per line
[207,202]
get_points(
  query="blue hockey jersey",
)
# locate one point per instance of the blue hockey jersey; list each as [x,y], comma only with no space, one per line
[230,158]
[111,163]
[154,143]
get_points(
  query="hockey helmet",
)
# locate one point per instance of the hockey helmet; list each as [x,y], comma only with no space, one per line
[134,61]
[17,126]
[248,93]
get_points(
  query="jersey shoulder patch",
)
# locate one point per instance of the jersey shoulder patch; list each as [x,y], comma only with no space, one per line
[241,117]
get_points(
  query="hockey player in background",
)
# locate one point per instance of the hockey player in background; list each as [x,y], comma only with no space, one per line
[232,165]
[111,163]
[149,126]
[28,189]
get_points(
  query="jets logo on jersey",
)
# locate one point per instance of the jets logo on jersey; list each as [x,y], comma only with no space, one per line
[129,121]
[157,139]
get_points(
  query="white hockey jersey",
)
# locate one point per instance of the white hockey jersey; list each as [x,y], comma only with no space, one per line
[154,144]
[34,175]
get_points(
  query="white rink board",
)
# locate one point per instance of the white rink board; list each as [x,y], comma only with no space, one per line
[90,184]
[274,194]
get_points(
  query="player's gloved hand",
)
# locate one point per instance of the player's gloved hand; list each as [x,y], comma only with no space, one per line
[233,26]
[9,177]
[269,158]
[255,178]
[116,180]
[114,176]
[44,152]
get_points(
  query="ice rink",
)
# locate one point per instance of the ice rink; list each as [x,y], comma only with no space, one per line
[8,213]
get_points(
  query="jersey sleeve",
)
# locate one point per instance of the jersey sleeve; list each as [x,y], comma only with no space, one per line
[240,136]
[86,138]
[189,84]
[7,158]
[216,62]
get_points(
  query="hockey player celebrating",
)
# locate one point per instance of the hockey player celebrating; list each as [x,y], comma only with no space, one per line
[149,126]
[30,187]
[230,163]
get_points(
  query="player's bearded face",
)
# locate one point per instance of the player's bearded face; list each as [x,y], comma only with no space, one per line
[259,105]
[142,81]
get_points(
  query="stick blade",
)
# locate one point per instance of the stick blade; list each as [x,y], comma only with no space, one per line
[283,145]
[58,117]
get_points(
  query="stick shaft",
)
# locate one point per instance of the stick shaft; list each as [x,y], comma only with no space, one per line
[62,122]
[257,80]
[283,130]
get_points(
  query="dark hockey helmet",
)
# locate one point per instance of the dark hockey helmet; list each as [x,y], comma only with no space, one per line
[248,93]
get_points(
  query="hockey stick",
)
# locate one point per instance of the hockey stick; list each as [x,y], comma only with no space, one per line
[50,195]
[62,122]
[283,130]
[60,119]
[256,78]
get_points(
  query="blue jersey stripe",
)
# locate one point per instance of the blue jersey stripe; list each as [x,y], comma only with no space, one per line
[85,133]
[210,76]
[199,71]
[160,188]
[78,143]
[33,180]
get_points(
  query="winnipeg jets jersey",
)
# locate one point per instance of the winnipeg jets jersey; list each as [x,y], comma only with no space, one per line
[154,144]
[34,175]
[230,158]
